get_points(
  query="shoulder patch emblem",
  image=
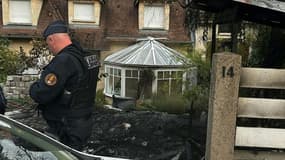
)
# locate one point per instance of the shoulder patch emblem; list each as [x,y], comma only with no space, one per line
[50,79]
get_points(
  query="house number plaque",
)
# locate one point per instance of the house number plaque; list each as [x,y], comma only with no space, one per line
[228,71]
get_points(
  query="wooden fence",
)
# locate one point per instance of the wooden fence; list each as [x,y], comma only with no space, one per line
[226,140]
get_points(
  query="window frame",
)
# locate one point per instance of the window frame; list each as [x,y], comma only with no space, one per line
[170,79]
[141,18]
[110,90]
[151,26]
[131,77]
[96,9]
[155,82]
[35,7]
[29,16]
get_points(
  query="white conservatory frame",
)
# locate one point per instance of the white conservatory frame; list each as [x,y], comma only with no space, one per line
[110,90]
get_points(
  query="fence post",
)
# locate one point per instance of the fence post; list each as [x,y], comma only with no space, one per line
[223,101]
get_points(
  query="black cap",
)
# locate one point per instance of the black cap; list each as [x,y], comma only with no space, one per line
[55,27]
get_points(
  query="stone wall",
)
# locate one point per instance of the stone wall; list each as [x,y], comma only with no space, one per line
[17,86]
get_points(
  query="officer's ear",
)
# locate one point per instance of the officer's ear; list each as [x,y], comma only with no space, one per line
[49,39]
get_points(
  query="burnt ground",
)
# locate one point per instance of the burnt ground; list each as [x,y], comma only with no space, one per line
[139,135]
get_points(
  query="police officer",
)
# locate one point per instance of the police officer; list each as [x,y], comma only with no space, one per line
[66,89]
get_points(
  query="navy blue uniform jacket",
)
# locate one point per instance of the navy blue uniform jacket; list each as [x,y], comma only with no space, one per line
[67,71]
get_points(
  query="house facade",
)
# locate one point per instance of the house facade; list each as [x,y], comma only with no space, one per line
[102,26]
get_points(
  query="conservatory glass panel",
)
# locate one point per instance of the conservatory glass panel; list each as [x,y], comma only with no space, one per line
[176,87]
[128,73]
[173,75]
[115,71]
[160,75]
[117,82]
[163,87]
[135,73]
[113,81]
[147,92]
[131,83]
[110,84]
[169,82]
[131,87]
[176,82]
[166,74]
[180,74]
[109,80]
[146,88]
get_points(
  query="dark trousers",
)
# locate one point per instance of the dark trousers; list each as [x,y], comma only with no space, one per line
[73,132]
[2,111]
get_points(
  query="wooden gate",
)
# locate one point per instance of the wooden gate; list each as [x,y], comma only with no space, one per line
[224,138]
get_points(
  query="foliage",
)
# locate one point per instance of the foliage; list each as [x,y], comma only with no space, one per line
[39,54]
[260,46]
[15,62]
[9,61]
[198,95]
[174,104]
[39,47]
[146,77]
[195,95]
[24,62]
[100,98]
[203,66]
[196,18]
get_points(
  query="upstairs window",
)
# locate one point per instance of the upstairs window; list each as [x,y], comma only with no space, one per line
[21,12]
[154,16]
[84,12]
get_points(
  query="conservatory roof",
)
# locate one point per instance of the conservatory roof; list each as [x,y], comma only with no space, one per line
[147,53]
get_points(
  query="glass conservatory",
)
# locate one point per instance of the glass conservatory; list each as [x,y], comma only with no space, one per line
[144,69]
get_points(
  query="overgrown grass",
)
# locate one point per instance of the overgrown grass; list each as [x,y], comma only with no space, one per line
[100,98]
[171,104]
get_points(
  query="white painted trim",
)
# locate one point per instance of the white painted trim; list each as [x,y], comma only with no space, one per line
[260,137]
[123,82]
[261,108]
[262,78]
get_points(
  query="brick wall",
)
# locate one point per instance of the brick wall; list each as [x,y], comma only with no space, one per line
[17,86]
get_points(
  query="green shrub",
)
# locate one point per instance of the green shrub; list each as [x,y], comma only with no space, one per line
[198,95]
[9,60]
[100,98]
[171,104]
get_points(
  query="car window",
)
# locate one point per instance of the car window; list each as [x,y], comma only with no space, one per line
[13,147]
[20,142]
